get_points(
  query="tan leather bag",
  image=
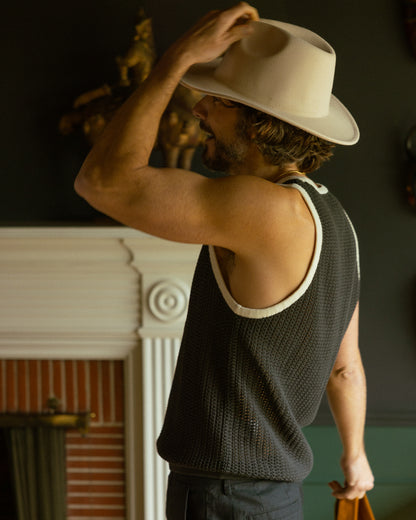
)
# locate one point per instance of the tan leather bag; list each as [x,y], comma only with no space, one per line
[357,509]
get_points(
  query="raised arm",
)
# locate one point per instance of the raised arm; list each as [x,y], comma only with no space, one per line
[116,177]
[346,392]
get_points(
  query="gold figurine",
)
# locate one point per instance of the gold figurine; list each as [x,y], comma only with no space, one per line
[179,132]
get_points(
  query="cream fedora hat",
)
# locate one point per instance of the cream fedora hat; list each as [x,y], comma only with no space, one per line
[285,71]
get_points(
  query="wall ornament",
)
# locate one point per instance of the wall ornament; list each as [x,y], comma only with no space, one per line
[179,132]
[168,300]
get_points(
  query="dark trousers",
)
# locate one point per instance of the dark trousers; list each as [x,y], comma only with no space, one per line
[198,498]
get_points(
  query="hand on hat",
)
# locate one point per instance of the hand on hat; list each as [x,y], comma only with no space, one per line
[215,32]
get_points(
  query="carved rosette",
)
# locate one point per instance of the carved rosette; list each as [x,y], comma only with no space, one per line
[168,300]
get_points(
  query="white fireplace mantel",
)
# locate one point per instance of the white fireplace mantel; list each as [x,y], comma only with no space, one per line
[102,293]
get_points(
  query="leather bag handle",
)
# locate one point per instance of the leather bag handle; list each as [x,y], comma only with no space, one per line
[357,509]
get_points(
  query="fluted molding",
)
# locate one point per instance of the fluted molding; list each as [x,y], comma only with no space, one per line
[103,293]
[165,271]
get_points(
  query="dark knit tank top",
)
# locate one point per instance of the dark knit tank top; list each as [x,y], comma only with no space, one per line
[248,380]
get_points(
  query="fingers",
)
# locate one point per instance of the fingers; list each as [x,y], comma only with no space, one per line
[237,20]
[238,16]
[238,32]
[348,492]
[214,33]
[242,10]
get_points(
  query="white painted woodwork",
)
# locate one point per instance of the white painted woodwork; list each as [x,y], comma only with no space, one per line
[103,293]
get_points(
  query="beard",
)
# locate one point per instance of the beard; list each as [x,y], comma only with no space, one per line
[226,156]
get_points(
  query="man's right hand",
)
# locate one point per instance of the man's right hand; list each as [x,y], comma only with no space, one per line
[211,36]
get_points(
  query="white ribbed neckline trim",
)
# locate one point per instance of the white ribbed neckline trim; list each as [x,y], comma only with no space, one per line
[247,312]
[320,188]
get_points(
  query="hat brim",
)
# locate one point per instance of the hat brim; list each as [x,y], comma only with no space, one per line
[337,127]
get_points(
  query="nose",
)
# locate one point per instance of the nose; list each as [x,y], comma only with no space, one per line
[200,109]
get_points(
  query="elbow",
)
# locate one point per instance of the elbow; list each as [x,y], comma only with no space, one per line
[347,375]
[344,374]
[87,183]
[79,185]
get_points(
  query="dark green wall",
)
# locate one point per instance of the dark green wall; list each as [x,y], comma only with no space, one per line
[392,453]
[52,52]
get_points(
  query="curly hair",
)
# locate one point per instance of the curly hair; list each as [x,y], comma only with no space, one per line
[282,143]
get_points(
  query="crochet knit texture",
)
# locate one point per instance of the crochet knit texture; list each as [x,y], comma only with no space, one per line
[245,387]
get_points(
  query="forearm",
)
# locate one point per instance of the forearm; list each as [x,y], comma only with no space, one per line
[128,140]
[347,398]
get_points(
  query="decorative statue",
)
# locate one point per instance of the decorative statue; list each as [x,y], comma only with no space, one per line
[92,111]
[141,56]
[179,133]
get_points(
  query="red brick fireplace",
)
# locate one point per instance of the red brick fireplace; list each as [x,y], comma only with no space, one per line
[87,315]
[95,462]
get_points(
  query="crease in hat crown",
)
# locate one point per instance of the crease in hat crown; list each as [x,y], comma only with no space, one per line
[284,70]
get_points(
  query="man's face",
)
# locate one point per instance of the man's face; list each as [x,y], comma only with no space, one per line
[226,147]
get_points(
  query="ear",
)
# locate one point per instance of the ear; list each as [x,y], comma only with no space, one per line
[251,133]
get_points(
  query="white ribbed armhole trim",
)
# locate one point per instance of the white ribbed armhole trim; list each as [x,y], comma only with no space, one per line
[357,250]
[247,312]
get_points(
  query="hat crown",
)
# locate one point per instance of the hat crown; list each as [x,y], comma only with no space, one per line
[287,67]
[283,70]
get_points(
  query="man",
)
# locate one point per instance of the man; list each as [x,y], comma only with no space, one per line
[273,314]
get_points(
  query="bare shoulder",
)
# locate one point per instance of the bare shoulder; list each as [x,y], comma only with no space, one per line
[274,243]
[270,213]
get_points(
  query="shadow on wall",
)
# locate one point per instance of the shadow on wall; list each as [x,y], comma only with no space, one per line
[407,512]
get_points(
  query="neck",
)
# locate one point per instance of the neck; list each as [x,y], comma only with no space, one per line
[254,164]
[274,174]
[289,173]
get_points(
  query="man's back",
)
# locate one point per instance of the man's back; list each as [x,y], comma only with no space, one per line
[249,379]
